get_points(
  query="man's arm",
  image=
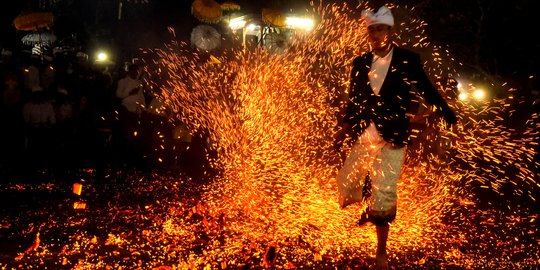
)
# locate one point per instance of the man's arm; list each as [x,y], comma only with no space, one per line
[121,89]
[430,93]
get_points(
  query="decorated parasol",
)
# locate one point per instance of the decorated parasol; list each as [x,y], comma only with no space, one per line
[229,6]
[205,37]
[207,11]
[32,20]
[39,38]
[273,17]
[275,42]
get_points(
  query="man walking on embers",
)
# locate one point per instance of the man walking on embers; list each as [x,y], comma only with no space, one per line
[376,119]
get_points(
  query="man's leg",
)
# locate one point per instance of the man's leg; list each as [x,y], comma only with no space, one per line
[366,197]
[384,199]
[381,259]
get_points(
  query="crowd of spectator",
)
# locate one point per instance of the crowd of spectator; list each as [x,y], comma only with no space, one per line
[71,112]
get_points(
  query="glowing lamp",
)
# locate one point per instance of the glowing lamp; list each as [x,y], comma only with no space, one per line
[251,27]
[299,23]
[237,23]
[479,94]
[463,96]
[101,56]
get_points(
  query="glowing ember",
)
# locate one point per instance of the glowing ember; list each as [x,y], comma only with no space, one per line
[77,188]
[79,205]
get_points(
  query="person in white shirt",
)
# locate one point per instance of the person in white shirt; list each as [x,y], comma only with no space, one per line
[130,90]
[378,124]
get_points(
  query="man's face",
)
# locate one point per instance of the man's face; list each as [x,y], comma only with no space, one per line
[378,35]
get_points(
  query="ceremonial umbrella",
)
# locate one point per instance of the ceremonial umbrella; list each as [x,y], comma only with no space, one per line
[273,17]
[208,11]
[205,37]
[39,38]
[275,42]
[32,20]
[228,6]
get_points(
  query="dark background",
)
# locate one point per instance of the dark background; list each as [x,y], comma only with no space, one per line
[495,38]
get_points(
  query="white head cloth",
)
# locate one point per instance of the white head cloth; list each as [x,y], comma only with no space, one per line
[382,16]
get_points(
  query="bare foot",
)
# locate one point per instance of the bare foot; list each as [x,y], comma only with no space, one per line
[381,261]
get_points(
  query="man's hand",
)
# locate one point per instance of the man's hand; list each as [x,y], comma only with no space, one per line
[449,116]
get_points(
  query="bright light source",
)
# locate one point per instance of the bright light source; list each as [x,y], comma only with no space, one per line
[479,94]
[251,27]
[102,56]
[237,23]
[299,23]
[463,96]
[459,85]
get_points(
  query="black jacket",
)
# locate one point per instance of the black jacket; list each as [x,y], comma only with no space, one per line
[388,109]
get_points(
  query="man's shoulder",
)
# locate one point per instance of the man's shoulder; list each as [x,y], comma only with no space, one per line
[361,58]
[404,53]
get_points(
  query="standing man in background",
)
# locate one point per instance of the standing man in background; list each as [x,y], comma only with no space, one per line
[130,92]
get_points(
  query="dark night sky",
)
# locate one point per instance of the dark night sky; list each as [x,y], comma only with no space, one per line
[507,45]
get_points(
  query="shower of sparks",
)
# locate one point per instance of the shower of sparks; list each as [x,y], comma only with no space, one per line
[270,119]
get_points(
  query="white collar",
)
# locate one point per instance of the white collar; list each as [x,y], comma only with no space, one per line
[388,56]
